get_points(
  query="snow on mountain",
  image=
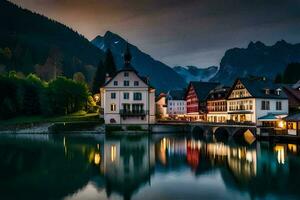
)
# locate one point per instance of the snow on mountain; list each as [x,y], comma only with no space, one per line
[192,73]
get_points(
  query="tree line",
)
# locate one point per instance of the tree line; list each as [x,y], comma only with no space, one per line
[32,96]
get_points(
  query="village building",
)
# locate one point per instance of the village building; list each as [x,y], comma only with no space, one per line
[258,101]
[127,98]
[217,105]
[176,103]
[293,94]
[293,124]
[195,96]
[161,106]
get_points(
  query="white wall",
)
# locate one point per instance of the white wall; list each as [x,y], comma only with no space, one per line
[119,90]
[261,113]
[176,107]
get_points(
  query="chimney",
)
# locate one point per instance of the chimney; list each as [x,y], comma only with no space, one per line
[107,78]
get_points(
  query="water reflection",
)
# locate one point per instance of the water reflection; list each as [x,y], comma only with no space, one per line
[141,167]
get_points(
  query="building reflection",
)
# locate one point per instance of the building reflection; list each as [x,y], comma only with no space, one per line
[241,161]
[123,165]
[128,164]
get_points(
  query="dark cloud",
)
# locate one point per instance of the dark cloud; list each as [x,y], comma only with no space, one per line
[179,32]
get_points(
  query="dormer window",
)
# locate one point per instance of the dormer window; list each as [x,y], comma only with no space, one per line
[126,74]
[267,91]
[278,91]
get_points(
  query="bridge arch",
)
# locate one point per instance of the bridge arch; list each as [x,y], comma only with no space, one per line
[221,133]
[199,131]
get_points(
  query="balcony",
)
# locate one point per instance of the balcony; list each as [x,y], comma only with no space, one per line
[133,112]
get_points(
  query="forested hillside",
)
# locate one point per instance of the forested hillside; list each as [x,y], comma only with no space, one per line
[30,42]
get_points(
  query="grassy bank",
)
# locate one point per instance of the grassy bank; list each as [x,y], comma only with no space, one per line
[75,117]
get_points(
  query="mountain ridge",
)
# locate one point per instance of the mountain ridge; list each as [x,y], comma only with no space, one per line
[161,75]
[257,59]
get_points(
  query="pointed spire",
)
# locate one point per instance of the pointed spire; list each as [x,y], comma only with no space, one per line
[127,55]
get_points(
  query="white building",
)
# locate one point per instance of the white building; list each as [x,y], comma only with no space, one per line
[127,98]
[176,103]
[257,101]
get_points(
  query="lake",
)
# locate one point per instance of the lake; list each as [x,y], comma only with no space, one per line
[160,166]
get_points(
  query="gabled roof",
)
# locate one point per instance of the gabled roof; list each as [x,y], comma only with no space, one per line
[257,88]
[176,94]
[296,85]
[292,91]
[144,79]
[218,93]
[128,68]
[295,117]
[161,95]
[202,89]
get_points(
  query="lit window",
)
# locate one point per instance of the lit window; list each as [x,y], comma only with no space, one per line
[136,83]
[125,95]
[113,107]
[113,95]
[115,83]
[126,83]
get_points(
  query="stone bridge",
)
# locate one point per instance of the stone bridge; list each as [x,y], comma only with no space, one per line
[222,130]
[218,130]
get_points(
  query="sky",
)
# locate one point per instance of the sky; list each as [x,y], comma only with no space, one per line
[179,32]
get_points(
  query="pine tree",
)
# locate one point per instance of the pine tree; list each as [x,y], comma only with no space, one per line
[108,67]
[109,63]
[99,78]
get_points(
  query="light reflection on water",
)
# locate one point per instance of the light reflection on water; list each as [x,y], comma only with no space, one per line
[145,167]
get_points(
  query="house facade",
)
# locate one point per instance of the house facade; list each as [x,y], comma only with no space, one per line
[195,97]
[217,105]
[256,101]
[127,98]
[176,103]
[161,106]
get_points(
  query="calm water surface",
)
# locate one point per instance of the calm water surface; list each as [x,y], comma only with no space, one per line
[145,167]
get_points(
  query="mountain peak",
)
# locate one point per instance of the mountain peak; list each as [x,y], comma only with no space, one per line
[162,76]
[111,35]
[257,44]
[281,43]
[258,60]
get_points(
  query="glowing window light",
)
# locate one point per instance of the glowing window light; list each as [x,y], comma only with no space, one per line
[97,159]
[292,148]
[280,124]
[280,154]
[113,153]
